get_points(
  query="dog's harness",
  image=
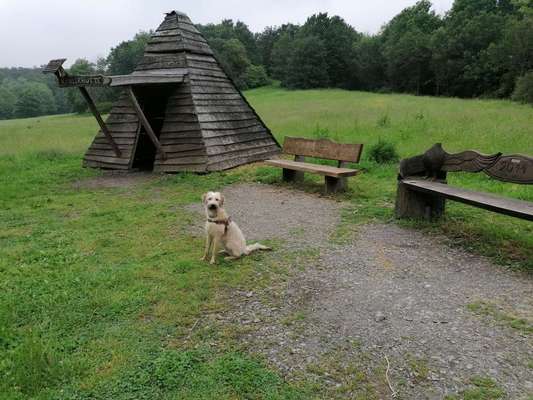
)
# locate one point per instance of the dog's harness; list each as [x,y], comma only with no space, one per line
[224,222]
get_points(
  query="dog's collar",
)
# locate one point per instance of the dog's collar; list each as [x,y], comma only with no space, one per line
[224,222]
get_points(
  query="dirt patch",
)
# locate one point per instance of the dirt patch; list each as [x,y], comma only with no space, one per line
[393,293]
[116,179]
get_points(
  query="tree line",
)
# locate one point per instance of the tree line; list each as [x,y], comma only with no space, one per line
[479,48]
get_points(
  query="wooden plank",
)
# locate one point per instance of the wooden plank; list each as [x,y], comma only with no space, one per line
[122,127]
[147,79]
[100,139]
[250,128]
[182,45]
[229,124]
[178,148]
[145,122]
[314,168]
[237,138]
[106,153]
[208,89]
[515,168]
[180,127]
[120,118]
[216,96]
[238,146]
[122,110]
[491,202]
[181,118]
[218,102]
[106,146]
[200,57]
[213,85]
[104,165]
[322,148]
[223,108]
[108,160]
[182,160]
[101,122]
[242,153]
[180,140]
[119,135]
[231,162]
[224,117]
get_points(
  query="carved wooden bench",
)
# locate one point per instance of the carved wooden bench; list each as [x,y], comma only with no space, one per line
[422,189]
[335,177]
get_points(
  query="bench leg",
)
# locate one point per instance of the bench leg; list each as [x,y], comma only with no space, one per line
[290,175]
[335,185]
[413,204]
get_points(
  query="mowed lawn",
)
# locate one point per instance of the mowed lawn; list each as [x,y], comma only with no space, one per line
[101,289]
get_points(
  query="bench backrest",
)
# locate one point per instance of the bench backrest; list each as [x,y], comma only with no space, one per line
[515,168]
[322,148]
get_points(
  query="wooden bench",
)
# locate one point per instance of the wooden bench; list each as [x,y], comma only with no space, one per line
[335,177]
[423,190]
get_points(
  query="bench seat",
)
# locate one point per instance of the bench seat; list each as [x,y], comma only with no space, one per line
[502,205]
[325,170]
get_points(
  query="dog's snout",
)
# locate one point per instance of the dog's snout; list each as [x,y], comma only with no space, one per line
[212,206]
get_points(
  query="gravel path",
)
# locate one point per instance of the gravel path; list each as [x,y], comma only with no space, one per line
[391,292]
[297,219]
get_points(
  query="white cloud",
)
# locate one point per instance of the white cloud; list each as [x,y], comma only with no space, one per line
[35,31]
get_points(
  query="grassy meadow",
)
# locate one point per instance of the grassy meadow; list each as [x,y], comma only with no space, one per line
[101,289]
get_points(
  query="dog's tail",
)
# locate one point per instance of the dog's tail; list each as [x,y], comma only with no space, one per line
[256,246]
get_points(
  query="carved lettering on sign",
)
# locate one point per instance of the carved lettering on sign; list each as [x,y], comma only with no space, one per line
[75,81]
[514,168]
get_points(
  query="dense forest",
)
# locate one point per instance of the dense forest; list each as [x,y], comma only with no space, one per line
[479,48]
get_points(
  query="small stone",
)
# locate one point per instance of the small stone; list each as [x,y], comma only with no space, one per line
[249,294]
[469,366]
[380,317]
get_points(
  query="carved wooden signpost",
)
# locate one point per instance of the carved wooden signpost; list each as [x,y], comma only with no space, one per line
[422,187]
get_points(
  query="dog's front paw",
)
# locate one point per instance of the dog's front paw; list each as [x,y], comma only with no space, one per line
[212,262]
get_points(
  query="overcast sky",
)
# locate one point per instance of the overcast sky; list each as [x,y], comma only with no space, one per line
[35,31]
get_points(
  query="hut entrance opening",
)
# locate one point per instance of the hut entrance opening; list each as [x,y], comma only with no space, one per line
[153,101]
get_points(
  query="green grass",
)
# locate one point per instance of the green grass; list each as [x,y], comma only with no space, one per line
[505,318]
[481,388]
[102,289]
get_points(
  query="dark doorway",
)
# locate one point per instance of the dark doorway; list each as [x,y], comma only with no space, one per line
[153,100]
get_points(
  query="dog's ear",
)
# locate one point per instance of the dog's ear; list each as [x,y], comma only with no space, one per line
[204,196]
[221,199]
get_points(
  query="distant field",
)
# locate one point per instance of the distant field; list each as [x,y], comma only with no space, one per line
[412,123]
[101,287]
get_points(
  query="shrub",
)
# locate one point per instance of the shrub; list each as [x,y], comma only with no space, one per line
[256,76]
[523,91]
[383,152]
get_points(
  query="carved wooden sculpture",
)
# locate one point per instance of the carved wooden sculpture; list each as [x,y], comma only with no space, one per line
[435,162]
[425,198]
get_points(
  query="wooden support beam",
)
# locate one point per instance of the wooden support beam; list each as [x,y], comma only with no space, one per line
[101,122]
[145,123]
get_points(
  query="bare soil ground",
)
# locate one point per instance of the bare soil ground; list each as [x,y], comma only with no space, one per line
[439,315]
[116,179]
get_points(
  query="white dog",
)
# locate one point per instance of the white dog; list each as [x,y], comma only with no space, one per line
[221,230]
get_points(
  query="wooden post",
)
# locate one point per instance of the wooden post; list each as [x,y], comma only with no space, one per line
[290,175]
[413,204]
[335,185]
[145,123]
[101,122]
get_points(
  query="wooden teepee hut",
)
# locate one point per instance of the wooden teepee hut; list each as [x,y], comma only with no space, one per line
[179,111]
